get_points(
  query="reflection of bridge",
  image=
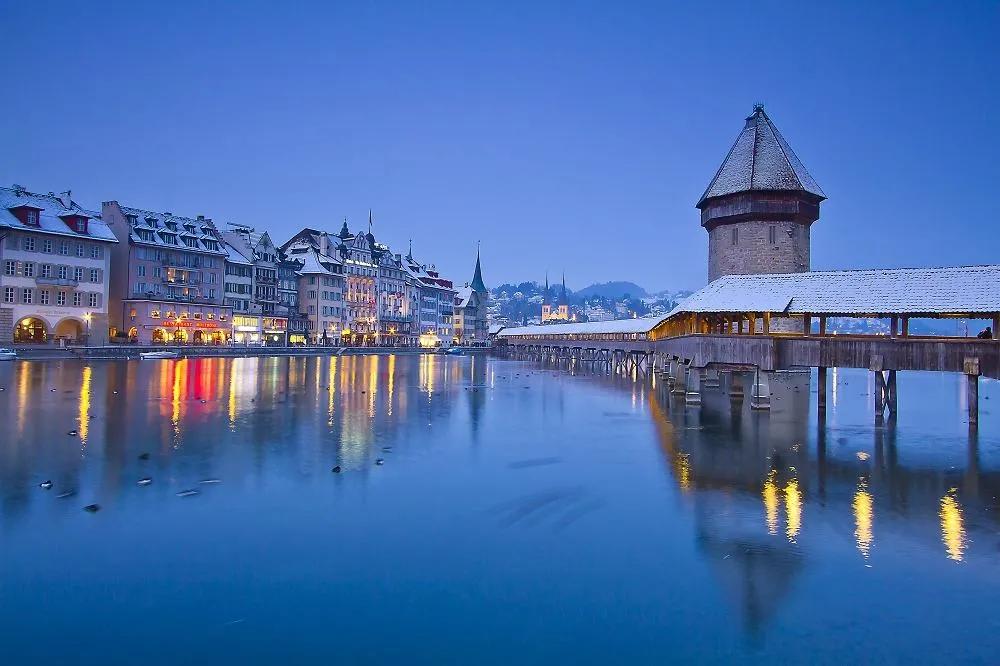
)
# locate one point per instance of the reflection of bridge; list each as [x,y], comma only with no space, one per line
[765,323]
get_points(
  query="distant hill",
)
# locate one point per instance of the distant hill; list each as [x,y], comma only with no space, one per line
[612,290]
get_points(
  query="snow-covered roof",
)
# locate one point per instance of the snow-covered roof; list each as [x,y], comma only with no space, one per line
[760,159]
[963,290]
[51,208]
[157,223]
[463,296]
[236,248]
[312,260]
[638,325]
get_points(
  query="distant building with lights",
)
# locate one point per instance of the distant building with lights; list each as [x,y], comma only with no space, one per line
[555,308]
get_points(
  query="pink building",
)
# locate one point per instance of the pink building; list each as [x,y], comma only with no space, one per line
[167,278]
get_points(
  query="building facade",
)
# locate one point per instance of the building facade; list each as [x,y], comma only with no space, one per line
[760,206]
[555,309]
[56,260]
[471,320]
[320,296]
[167,278]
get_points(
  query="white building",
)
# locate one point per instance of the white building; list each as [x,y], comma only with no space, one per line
[55,259]
[321,285]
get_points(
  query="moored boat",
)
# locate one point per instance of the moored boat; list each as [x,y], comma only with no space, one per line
[159,354]
[7,354]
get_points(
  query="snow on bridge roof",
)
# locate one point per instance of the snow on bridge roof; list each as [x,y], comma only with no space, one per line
[959,290]
[640,325]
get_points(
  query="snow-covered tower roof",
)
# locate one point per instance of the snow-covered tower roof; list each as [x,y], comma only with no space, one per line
[761,160]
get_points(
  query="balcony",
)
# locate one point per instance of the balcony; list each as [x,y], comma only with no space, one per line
[58,282]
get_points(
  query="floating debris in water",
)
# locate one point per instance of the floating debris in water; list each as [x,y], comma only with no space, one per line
[115,392]
[204,401]
[379,461]
[144,481]
[72,433]
[210,481]
[387,448]
[52,390]
[336,469]
[45,484]
[92,508]
[65,494]
[187,493]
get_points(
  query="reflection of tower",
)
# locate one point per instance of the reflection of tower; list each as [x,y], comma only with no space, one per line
[760,205]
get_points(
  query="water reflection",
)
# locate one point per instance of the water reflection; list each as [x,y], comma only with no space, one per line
[764,502]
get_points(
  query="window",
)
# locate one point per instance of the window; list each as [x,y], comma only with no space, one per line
[29,269]
[95,275]
[63,272]
[8,294]
[46,270]
[157,272]
[154,314]
[27,295]
[64,248]
[93,300]
[44,296]
[735,236]
[96,252]
[140,270]
[77,299]
[47,246]
[79,249]
[78,273]
[29,244]
[211,293]
[33,218]
[60,298]
[10,268]
[772,234]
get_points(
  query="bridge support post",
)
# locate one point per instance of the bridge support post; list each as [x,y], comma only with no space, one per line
[890,387]
[760,393]
[880,391]
[692,396]
[971,368]
[680,380]
[711,378]
[736,386]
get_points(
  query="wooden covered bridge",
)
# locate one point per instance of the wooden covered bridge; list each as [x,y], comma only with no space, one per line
[777,322]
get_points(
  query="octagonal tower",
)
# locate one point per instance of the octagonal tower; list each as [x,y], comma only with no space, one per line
[760,206]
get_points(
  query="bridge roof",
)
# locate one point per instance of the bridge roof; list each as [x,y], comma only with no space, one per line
[933,292]
[640,325]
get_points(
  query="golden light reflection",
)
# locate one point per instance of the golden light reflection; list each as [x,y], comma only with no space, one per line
[232,396]
[770,495]
[372,383]
[85,404]
[952,527]
[864,518]
[793,509]
[392,380]
[23,382]
[331,390]
[180,372]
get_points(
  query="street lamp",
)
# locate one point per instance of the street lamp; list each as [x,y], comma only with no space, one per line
[86,318]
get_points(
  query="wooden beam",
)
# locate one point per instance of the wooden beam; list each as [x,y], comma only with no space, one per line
[767,323]
[807,325]
[822,325]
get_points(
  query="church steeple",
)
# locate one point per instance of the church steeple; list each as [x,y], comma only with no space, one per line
[344,231]
[562,295]
[477,278]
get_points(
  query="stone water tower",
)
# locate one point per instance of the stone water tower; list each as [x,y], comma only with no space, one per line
[760,206]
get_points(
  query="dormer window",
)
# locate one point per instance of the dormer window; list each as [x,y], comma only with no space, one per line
[26,214]
[32,218]
[132,219]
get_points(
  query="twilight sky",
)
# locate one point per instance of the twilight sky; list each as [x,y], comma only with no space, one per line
[562,135]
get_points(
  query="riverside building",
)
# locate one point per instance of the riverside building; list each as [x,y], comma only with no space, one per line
[471,320]
[55,258]
[167,278]
[258,320]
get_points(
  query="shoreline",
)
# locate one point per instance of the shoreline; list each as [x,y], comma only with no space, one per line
[132,352]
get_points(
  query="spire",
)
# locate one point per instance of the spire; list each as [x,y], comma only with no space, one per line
[409,253]
[369,221]
[562,297]
[761,159]
[545,294]
[344,231]
[477,278]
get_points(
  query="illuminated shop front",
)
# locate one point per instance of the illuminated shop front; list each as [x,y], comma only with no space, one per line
[259,330]
[167,322]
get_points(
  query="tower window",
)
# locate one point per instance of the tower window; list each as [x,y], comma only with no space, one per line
[772,235]
[735,236]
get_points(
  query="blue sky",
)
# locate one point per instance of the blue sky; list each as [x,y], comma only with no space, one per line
[572,136]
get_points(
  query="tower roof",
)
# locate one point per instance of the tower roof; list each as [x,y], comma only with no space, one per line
[761,159]
[562,295]
[477,278]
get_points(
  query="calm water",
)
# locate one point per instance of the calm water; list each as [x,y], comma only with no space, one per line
[521,515]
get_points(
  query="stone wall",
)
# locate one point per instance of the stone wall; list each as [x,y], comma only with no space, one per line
[754,253]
